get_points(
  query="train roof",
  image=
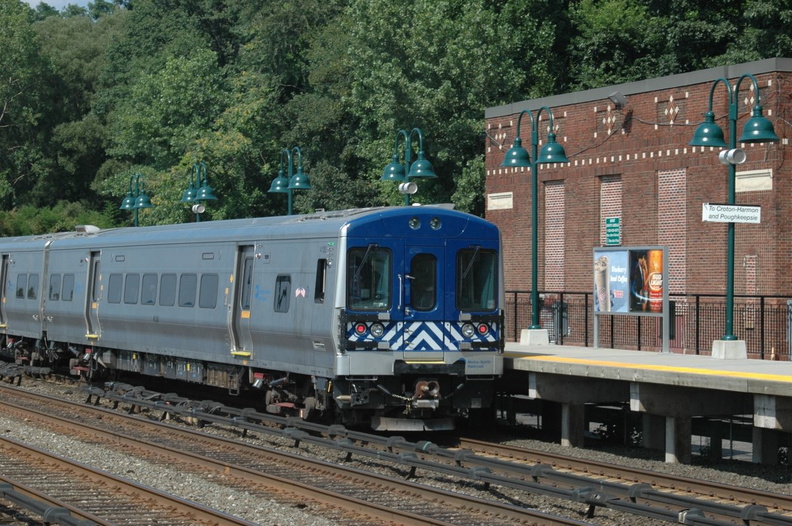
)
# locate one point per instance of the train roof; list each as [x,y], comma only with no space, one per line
[305,226]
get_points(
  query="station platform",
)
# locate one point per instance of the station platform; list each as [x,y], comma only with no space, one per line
[669,390]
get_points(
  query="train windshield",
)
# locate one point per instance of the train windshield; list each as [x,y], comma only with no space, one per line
[369,278]
[477,279]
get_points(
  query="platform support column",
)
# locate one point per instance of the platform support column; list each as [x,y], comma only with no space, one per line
[678,430]
[653,431]
[716,441]
[765,446]
[572,416]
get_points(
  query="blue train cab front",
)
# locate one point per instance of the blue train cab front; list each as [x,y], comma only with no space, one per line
[423,303]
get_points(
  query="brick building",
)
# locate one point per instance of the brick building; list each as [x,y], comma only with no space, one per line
[629,153]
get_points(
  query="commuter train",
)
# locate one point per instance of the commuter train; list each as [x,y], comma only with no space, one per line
[389,317]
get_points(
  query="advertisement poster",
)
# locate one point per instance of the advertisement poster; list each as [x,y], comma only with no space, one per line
[628,281]
[646,281]
[611,281]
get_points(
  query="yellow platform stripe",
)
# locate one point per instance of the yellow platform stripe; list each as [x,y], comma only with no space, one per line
[651,367]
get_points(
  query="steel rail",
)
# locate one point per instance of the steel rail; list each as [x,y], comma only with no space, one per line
[505,512]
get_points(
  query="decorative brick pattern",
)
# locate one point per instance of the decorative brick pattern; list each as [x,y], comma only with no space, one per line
[672,208]
[610,201]
[554,236]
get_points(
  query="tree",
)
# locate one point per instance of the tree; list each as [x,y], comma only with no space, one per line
[427,65]
[22,97]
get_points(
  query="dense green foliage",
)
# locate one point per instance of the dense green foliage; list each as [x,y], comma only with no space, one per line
[89,97]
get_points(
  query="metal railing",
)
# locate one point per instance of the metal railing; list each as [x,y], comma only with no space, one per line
[764,322]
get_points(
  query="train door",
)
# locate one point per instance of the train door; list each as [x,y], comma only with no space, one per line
[3,291]
[243,295]
[424,303]
[92,296]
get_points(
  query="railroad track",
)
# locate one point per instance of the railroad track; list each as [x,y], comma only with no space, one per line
[346,494]
[729,504]
[67,492]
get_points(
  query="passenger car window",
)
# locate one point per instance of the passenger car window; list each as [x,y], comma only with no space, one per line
[167,297]
[114,287]
[68,287]
[148,290]
[282,293]
[188,284]
[208,296]
[55,287]
[132,288]
[321,281]
[21,285]
[33,283]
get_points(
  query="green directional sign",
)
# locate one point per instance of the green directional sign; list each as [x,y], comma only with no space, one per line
[613,231]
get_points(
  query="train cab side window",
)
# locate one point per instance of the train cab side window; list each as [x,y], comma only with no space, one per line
[21,285]
[67,294]
[282,293]
[369,271]
[33,283]
[114,286]
[477,279]
[55,287]
[167,295]
[188,285]
[148,292]
[207,299]
[132,288]
[321,281]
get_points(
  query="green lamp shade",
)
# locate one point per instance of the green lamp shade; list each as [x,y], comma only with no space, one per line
[143,201]
[758,128]
[708,133]
[189,195]
[394,171]
[300,181]
[552,152]
[128,203]
[280,185]
[517,156]
[205,193]
[421,168]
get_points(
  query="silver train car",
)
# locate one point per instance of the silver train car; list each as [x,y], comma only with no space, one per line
[389,317]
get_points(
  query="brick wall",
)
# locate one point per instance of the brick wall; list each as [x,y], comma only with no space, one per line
[634,162]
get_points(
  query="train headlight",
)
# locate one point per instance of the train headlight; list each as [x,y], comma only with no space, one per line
[483,329]
[468,330]
[435,223]
[377,330]
[360,328]
[414,223]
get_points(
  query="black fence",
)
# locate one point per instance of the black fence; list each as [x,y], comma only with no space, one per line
[764,322]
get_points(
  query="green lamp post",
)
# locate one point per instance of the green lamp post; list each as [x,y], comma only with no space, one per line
[708,133]
[198,190]
[402,173]
[518,157]
[136,198]
[295,181]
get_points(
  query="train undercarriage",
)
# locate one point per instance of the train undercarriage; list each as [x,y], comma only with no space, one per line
[409,402]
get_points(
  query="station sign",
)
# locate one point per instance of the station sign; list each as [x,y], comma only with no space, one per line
[613,231]
[725,213]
